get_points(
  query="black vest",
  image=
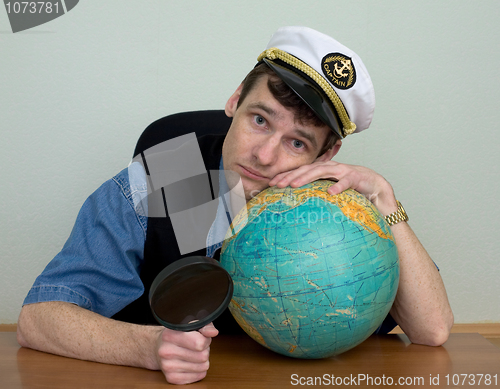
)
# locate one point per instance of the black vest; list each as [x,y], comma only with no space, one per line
[161,249]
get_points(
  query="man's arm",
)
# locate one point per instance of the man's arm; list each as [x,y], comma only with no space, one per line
[66,329]
[421,307]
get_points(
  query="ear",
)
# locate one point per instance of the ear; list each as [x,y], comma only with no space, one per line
[232,103]
[330,153]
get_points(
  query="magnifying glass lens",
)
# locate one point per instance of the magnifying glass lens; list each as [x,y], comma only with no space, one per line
[186,298]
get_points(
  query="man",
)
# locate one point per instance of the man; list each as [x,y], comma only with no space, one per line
[290,115]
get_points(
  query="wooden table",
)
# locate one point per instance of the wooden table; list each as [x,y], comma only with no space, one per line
[239,362]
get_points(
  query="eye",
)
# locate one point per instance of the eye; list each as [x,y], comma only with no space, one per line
[298,144]
[259,120]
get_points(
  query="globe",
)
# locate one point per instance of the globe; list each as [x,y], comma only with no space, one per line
[314,274]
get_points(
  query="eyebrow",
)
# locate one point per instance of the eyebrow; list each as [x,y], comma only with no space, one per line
[265,108]
[271,112]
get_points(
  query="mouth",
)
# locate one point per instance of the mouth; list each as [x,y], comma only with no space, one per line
[253,174]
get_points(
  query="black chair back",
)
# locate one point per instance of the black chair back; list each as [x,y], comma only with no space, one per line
[172,126]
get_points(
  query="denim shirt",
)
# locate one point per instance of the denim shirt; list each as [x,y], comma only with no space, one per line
[99,266]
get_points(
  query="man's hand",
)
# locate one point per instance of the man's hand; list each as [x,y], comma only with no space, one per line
[365,181]
[183,356]
[421,307]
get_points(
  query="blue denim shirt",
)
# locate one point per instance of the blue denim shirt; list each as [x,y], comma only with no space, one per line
[99,266]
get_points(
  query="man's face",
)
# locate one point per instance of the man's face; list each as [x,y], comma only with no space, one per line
[264,139]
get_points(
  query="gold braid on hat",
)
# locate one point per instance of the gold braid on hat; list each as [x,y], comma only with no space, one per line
[275,53]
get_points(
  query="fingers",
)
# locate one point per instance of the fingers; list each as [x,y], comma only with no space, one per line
[181,372]
[277,178]
[184,356]
[182,366]
[365,181]
[209,331]
[306,174]
[193,340]
[184,378]
[339,187]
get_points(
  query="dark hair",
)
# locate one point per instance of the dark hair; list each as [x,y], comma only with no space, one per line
[287,98]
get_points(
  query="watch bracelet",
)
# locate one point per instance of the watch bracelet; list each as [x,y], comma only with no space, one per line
[398,216]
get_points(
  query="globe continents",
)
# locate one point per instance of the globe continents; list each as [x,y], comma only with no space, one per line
[314,275]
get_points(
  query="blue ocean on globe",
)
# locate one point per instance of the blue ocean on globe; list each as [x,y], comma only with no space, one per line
[314,275]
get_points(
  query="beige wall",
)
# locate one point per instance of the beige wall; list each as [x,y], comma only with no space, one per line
[76,93]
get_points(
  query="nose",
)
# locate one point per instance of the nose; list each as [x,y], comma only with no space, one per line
[267,150]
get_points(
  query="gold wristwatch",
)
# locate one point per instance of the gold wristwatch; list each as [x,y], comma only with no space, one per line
[398,216]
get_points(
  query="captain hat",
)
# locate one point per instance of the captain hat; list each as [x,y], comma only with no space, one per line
[330,78]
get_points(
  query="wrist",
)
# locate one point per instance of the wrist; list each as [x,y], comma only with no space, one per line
[385,200]
[398,216]
[150,343]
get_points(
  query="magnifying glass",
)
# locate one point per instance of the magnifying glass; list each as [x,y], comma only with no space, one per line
[190,293]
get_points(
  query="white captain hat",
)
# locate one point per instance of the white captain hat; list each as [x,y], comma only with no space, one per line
[328,76]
